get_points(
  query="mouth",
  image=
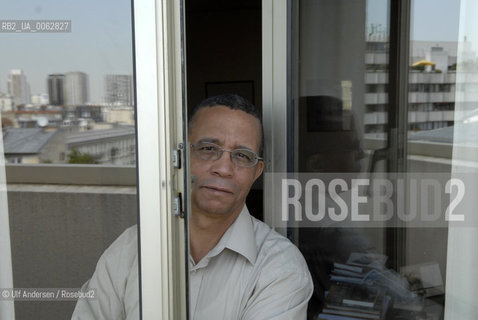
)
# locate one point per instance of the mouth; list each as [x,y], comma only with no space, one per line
[217,189]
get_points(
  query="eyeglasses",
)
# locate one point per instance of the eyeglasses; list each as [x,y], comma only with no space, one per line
[211,152]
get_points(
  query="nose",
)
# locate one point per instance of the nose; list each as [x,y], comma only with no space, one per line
[223,166]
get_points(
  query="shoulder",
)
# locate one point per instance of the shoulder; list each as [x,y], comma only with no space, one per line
[128,239]
[282,285]
[277,255]
[126,243]
[122,255]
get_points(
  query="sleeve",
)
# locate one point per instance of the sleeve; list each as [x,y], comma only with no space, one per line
[283,290]
[115,282]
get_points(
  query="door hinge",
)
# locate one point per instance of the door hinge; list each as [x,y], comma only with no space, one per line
[178,205]
[177,158]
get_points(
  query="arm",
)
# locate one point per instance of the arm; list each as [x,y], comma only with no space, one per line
[115,282]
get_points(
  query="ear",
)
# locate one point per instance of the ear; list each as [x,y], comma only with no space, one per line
[259,169]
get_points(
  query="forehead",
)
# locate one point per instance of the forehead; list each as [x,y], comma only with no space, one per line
[227,126]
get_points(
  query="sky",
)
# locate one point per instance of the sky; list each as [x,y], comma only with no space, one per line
[100,41]
[101,38]
[432,20]
[435,20]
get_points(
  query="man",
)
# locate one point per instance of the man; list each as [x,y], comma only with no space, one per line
[239,267]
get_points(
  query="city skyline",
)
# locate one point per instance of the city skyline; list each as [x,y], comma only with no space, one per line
[103,93]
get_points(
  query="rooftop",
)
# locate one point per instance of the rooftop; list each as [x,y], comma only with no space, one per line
[92,135]
[25,140]
[465,133]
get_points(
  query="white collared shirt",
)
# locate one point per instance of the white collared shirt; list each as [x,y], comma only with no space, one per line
[252,273]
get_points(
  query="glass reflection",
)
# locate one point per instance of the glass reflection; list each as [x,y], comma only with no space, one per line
[343,127]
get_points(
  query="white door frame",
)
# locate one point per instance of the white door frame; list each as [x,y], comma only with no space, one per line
[274,107]
[159,94]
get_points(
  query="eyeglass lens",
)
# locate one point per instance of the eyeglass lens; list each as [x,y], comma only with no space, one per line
[240,157]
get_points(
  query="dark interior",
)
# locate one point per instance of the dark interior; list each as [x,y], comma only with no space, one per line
[224,55]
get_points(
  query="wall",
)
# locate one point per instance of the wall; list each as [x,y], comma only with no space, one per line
[58,232]
[223,45]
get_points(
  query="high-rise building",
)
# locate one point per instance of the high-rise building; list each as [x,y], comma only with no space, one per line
[6,102]
[39,99]
[432,84]
[55,83]
[75,88]
[119,89]
[18,87]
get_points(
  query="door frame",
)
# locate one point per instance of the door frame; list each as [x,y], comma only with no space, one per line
[161,132]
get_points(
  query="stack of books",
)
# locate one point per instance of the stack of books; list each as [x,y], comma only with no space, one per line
[363,289]
[359,289]
[345,301]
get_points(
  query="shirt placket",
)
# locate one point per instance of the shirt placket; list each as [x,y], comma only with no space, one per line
[196,276]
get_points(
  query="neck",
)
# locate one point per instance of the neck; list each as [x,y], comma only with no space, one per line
[205,231]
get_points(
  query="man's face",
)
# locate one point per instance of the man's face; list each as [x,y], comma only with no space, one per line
[220,187]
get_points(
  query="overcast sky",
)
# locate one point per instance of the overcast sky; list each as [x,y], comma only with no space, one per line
[101,39]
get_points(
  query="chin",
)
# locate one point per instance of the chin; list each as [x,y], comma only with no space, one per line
[218,210]
[215,208]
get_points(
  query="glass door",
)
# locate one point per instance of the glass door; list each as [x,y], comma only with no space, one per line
[92,160]
[357,95]
[68,159]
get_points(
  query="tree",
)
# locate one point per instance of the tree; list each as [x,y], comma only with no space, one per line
[82,158]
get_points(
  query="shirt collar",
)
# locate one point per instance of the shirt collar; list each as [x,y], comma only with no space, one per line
[243,239]
[239,238]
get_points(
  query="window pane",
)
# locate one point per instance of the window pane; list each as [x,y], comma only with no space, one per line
[441,106]
[67,117]
[382,135]
[342,126]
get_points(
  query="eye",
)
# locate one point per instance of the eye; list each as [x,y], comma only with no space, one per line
[207,148]
[244,155]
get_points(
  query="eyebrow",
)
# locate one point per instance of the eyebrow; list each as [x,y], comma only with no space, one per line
[218,142]
[210,140]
